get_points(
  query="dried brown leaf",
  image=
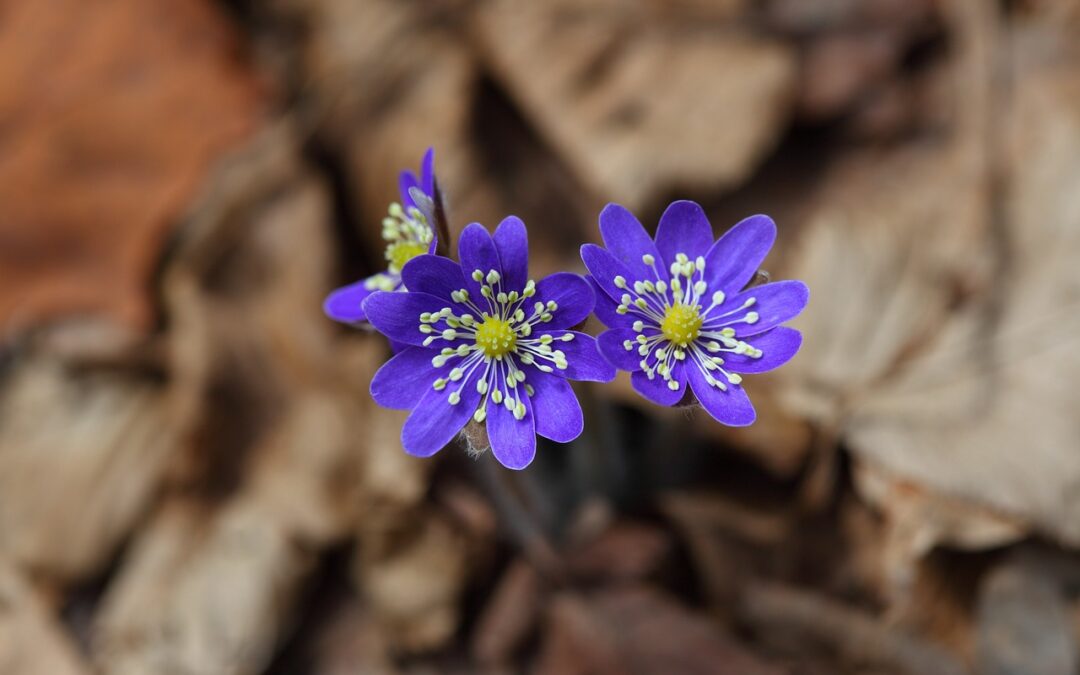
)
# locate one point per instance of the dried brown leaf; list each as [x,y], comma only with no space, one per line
[941,338]
[210,589]
[639,102]
[624,552]
[32,641]
[210,585]
[202,598]
[98,165]
[352,644]
[985,413]
[82,455]
[638,630]
[782,615]
[917,520]
[414,587]
[411,80]
[1024,624]
[509,616]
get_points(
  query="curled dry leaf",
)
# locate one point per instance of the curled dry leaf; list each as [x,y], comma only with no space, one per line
[32,641]
[712,527]
[798,17]
[917,519]
[414,588]
[307,475]
[246,338]
[892,294]
[211,589]
[82,454]
[410,561]
[1024,623]
[510,615]
[780,613]
[625,552]
[99,162]
[986,412]
[352,644]
[392,483]
[638,630]
[249,272]
[640,102]
[945,348]
[202,597]
[210,585]
[411,72]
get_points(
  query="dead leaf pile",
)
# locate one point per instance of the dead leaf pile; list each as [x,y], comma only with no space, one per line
[194,479]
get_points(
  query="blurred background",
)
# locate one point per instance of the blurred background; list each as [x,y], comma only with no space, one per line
[194,480]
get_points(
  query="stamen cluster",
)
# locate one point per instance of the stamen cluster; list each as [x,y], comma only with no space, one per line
[489,338]
[685,329]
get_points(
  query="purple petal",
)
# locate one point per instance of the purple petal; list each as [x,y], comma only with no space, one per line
[434,422]
[434,275]
[774,304]
[628,241]
[513,441]
[555,407]
[427,172]
[604,267]
[397,315]
[734,259]
[657,390]
[346,304]
[731,407]
[683,228]
[477,252]
[583,358]
[403,380]
[571,293]
[512,243]
[605,308]
[406,181]
[611,344]
[778,346]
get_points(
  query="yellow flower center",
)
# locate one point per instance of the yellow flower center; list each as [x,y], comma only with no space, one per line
[681,324]
[496,337]
[402,252]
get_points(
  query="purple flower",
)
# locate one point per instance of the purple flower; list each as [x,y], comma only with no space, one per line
[486,344]
[677,309]
[408,231]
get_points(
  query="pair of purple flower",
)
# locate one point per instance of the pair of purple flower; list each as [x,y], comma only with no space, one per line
[478,342]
